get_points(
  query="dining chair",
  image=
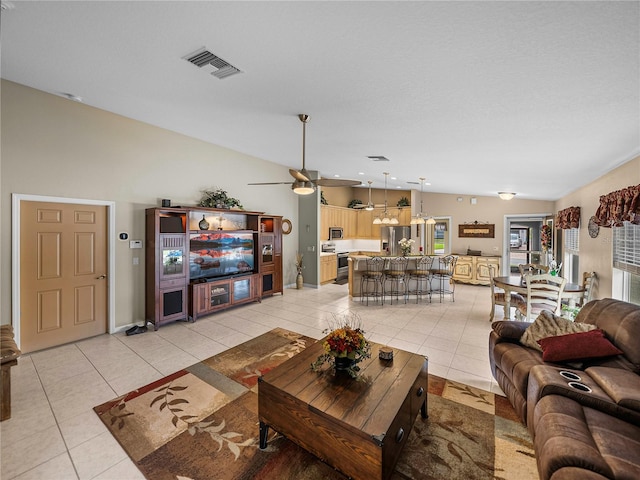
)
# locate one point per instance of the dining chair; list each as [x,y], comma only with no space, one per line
[371,282]
[588,281]
[532,269]
[421,278]
[544,292]
[443,270]
[396,276]
[498,296]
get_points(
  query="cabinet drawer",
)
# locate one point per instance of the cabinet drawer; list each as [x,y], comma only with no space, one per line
[176,283]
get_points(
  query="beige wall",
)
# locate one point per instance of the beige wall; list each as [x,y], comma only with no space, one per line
[55,147]
[596,253]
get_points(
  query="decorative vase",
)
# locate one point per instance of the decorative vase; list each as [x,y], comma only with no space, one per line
[343,363]
[299,281]
[204,225]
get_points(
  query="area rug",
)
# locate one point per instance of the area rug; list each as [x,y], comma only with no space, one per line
[202,423]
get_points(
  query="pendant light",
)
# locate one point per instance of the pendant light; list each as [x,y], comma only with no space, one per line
[369,206]
[385,219]
[419,218]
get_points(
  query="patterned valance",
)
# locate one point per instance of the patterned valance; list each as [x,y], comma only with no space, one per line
[568,218]
[618,207]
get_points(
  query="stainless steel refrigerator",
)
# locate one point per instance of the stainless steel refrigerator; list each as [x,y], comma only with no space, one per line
[391,236]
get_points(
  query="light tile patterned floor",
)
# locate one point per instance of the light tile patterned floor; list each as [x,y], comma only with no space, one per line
[54,434]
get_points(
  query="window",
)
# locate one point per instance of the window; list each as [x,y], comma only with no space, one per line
[571,257]
[626,262]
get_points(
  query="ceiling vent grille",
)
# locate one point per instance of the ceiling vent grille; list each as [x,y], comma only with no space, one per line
[378,158]
[204,58]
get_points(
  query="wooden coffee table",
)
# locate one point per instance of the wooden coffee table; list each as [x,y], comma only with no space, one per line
[358,427]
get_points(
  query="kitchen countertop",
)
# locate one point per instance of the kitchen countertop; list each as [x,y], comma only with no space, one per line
[326,254]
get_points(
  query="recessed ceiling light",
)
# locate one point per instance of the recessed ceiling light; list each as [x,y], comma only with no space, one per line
[360,173]
[337,176]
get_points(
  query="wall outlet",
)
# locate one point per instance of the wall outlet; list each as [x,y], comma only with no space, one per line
[136,261]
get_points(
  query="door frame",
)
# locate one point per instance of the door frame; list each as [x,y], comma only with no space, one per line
[506,234]
[16,199]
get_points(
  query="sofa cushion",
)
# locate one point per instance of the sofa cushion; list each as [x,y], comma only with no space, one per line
[549,325]
[577,346]
[621,385]
[620,321]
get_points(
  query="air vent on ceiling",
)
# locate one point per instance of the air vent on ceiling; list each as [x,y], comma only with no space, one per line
[204,58]
[378,158]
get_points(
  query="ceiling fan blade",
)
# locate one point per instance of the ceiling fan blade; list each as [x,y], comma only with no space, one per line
[270,183]
[336,182]
[299,175]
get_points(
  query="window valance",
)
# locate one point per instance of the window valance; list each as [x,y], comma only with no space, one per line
[568,218]
[618,207]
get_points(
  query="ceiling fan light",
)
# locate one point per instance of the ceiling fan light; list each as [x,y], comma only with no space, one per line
[369,208]
[303,188]
[506,195]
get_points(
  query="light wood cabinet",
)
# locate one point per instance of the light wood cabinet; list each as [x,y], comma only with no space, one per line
[475,269]
[332,216]
[328,268]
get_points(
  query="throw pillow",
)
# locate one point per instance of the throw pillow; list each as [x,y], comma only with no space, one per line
[549,325]
[577,346]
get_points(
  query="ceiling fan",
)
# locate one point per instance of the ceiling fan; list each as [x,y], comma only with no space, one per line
[303,184]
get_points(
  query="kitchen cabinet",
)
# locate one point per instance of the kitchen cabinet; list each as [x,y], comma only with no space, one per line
[343,217]
[328,267]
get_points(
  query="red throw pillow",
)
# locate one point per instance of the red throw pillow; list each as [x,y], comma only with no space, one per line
[577,346]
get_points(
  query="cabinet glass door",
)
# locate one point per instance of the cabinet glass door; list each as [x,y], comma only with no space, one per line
[172,261]
[267,244]
[241,289]
[219,295]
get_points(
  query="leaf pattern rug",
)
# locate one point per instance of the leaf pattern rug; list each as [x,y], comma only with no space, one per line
[202,423]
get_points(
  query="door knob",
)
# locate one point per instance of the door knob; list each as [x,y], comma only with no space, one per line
[101,277]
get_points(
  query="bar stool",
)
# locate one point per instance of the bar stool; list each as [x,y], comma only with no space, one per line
[421,275]
[396,275]
[443,274]
[371,282]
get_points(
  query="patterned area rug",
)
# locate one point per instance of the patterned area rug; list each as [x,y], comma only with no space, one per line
[202,423]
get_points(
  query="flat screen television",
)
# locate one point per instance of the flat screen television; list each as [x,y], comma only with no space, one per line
[220,254]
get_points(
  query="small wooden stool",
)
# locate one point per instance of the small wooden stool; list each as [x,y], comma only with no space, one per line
[9,353]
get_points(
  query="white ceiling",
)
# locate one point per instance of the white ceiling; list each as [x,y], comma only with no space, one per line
[538,98]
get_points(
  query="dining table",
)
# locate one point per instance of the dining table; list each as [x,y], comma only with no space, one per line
[572,292]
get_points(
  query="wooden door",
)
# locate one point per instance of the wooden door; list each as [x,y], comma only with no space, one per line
[63,273]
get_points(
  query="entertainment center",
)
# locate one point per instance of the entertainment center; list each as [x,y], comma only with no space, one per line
[201,260]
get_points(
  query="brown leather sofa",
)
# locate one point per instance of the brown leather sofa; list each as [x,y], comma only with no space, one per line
[584,417]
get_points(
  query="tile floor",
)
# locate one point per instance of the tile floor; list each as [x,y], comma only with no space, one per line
[54,434]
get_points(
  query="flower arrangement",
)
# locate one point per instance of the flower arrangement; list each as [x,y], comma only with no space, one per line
[405,246]
[345,344]
[545,238]
[554,268]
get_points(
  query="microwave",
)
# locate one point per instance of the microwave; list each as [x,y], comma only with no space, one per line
[335,233]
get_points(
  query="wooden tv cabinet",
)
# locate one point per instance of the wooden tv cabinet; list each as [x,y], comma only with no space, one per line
[170,293]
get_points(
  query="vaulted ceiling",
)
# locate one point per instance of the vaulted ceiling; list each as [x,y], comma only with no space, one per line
[537,98]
